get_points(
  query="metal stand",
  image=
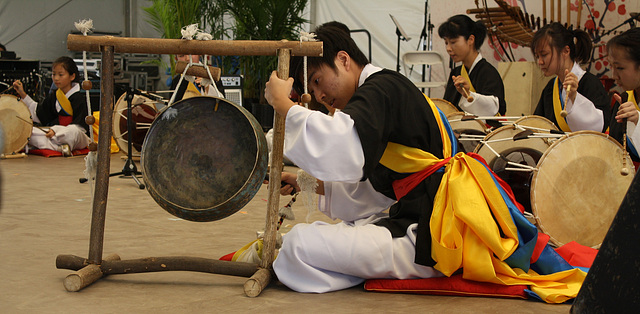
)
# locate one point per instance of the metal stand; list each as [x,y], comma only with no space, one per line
[425,35]
[130,168]
[401,36]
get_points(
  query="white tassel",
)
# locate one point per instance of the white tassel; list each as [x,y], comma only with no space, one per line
[90,170]
[308,185]
[189,31]
[203,36]
[84,26]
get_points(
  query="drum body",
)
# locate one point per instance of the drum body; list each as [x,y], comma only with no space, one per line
[143,112]
[578,187]
[526,151]
[444,106]
[16,122]
[466,127]
[204,158]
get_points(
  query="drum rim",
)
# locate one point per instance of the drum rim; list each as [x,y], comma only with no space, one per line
[30,129]
[252,182]
[534,209]
[462,113]
[447,103]
[533,116]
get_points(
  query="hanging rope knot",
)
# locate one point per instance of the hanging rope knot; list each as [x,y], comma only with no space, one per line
[203,36]
[189,31]
[84,26]
[304,36]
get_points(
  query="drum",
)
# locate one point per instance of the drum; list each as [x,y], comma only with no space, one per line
[143,112]
[444,106]
[499,147]
[204,158]
[538,122]
[468,132]
[578,187]
[15,119]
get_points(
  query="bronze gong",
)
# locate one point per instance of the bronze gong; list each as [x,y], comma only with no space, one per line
[204,158]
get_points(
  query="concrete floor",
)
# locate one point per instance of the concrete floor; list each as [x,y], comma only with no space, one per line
[46,212]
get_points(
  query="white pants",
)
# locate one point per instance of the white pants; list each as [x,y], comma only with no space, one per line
[321,257]
[72,134]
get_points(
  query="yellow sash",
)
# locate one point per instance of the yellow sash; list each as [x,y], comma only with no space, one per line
[191,87]
[471,225]
[464,74]
[96,131]
[64,102]
[632,99]
[557,108]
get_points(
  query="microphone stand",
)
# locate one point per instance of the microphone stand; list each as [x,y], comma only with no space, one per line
[422,42]
[401,36]
[130,168]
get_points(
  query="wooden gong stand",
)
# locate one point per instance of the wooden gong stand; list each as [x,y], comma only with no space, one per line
[95,267]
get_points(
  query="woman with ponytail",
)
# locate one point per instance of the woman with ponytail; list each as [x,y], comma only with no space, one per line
[575,99]
[624,58]
[475,79]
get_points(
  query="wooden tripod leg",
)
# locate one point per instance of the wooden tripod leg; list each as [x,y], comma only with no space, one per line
[254,286]
[87,275]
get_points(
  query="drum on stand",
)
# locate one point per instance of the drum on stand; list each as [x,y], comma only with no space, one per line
[204,158]
[578,186]
[143,112]
[16,122]
[468,132]
[499,148]
[445,106]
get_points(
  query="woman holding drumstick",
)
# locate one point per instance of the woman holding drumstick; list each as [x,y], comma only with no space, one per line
[575,99]
[475,86]
[624,57]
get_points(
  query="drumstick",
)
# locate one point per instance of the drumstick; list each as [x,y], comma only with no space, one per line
[624,171]
[466,95]
[31,124]
[564,112]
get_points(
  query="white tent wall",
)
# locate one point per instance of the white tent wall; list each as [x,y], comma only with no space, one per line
[38,29]
[373,15]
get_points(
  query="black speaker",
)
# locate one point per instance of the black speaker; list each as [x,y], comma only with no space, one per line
[613,282]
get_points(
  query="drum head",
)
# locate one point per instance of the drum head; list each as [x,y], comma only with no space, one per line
[467,127]
[444,106]
[143,112]
[204,158]
[15,119]
[578,187]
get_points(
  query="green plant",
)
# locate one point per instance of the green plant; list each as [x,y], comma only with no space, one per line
[169,16]
[263,20]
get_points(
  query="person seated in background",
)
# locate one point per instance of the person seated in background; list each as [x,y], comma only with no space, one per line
[624,58]
[475,77]
[64,111]
[190,89]
[558,51]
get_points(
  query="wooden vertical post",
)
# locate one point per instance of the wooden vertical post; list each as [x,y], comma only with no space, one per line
[254,285]
[560,11]
[96,237]
[579,19]
[568,13]
[544,10]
